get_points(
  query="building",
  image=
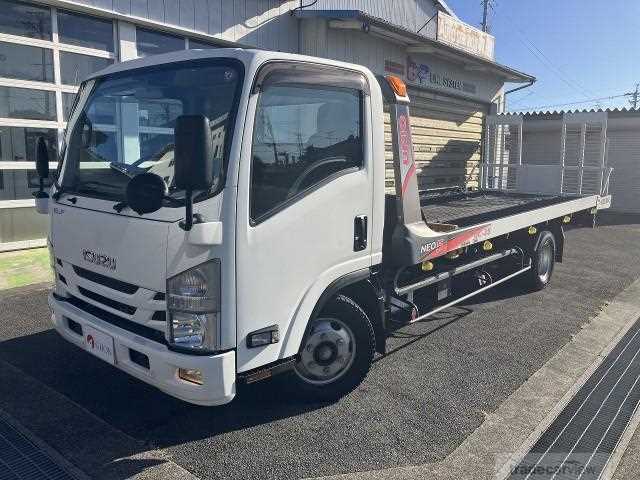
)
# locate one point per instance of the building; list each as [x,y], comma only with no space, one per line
[48,46]
[573,152]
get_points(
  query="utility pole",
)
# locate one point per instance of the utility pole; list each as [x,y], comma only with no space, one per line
[485,14]
[635,96]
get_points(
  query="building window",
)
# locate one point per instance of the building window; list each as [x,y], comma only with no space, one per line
[302,136]
[152,43]
[38,82]
[20,184]
[74,67]
[85,31]
[28,104]
[195,44]
[23,62]
[17,144]
[25,20]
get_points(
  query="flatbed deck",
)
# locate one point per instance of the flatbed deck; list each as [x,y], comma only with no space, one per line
[464,209]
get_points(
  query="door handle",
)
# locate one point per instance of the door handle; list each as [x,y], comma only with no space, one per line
[359,233]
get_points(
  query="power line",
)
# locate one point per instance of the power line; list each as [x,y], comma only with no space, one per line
[635,96]
[543,58]
[591,100]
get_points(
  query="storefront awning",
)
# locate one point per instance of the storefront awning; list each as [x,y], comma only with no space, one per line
[414,42]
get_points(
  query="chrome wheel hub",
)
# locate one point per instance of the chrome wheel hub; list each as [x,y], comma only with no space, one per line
[327,353]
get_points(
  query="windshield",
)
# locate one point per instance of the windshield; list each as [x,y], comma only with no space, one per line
[125,126]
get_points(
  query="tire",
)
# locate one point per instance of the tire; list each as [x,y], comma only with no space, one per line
[336,354]
[542,262]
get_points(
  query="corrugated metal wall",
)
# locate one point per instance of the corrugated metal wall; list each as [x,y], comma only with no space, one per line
[542,147]
[349,46]
[262,23]
[624,157]
[410,14]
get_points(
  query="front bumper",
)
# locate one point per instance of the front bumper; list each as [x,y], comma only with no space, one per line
[218,371]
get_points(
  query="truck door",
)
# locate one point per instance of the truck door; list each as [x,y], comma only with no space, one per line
[304,199]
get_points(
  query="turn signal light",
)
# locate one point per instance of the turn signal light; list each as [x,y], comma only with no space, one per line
[487,245]
[397,85]
[532,230]
[191,375]
[566,219]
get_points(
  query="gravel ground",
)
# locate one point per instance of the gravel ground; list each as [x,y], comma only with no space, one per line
[417,405]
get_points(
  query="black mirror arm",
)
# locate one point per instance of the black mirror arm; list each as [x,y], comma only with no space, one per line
[190,217]
[188,207]
[41,193]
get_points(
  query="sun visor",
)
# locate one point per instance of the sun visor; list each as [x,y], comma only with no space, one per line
[278,73]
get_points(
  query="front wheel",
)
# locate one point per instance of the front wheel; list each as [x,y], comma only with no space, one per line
[336,354]
[543,262]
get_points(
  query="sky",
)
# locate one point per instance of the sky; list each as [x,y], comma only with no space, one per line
[577,49]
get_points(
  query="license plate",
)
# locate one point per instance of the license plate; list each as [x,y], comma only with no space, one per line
[98,343]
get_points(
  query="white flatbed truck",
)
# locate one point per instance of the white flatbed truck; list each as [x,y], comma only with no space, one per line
[220,216]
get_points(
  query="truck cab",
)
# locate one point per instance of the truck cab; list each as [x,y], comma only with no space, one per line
[288,201]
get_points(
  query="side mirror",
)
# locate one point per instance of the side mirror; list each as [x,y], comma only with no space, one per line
[42,168]
[193,160]
[193,157]
[42,158]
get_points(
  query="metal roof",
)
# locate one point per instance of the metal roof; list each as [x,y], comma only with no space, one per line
[411,38]
[617,110]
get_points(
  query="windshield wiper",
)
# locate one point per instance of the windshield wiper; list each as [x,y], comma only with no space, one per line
[86,186]
[128,170]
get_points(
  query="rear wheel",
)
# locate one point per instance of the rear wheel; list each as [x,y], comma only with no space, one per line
[336,354]
[543,262]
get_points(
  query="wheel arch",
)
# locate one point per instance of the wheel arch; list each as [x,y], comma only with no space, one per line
[362,287]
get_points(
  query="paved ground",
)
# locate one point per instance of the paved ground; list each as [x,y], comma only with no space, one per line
[418,404]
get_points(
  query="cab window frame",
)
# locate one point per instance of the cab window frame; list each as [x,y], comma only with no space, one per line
[356,83]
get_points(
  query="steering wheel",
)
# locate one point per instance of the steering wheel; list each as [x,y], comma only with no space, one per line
[311,169]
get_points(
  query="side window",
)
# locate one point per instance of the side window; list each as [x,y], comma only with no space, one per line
[302,135]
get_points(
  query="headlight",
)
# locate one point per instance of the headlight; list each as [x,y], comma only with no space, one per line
[193,307]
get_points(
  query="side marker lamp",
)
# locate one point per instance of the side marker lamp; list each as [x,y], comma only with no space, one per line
[427,266]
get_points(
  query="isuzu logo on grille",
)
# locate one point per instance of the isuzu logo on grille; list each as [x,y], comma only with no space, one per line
[99,259]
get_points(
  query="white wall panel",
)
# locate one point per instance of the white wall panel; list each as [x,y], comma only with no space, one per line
[140,8]
[261,23]
[215,17]
[187,14]
[171,11]
[201,8]
[155,11]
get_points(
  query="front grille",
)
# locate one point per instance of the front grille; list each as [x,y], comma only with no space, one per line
[112,283]
[128,309]
[136,328]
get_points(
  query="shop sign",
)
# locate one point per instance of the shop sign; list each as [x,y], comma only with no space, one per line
[422,74]
[460,35]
